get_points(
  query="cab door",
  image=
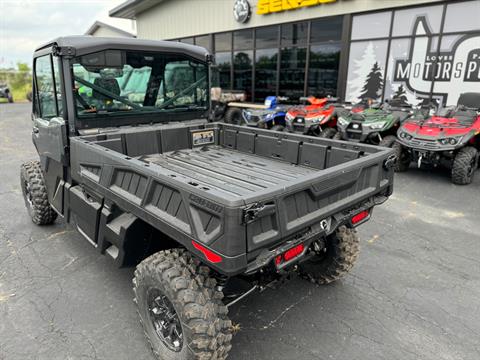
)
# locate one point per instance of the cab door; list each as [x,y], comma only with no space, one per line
[49,131]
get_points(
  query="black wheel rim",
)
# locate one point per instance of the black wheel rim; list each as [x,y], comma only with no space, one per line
[165,320]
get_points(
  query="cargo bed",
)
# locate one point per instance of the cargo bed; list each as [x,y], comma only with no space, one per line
[235,189]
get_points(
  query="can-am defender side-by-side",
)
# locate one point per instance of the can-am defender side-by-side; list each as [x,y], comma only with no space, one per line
[269,116]
[197,206]
[375,124]
[451,137]
[319,118]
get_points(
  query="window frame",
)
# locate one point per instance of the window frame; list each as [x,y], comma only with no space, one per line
[37,107]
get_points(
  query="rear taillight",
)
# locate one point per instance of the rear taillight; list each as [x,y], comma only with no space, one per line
[360,216]
[290,254]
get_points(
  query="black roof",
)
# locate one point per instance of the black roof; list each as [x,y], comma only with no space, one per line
[86,44]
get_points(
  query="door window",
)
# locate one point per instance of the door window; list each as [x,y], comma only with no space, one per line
[46,91]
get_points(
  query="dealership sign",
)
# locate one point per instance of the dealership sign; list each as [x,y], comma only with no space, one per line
[453,72]
[274,6]
[241,11]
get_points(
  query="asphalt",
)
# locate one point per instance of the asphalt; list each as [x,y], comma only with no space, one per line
[413,294]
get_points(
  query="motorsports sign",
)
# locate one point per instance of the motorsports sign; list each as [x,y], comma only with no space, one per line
[454,71]
[273,6]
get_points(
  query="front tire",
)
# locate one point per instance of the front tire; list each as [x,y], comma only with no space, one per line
[337,136]
[10,97]
[278,128]
[35,194]
[328,133]
[464,165]
[335,261]
[388,141]
[403,158]
[234,116]
[180,308]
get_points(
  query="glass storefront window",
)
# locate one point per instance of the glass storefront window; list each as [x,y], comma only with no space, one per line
[203,41]
[266,37]
[187,40]
[405,20]
[292,72]
[371,26]
[366,70]
[265,73]
[323,69]
[223,42]
[243,39]
[294,34]
[328,29]
[242,71]
[224,63]
[462,16]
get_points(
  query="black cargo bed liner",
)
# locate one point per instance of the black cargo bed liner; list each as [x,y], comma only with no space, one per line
[228,171]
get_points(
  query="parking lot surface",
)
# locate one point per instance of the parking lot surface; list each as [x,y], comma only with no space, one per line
[414,293]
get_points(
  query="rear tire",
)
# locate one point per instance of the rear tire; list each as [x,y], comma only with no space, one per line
[464,165]
[341,252]
[403,158]
[35,194]
[278,128]
[388,141]
[328,133]
[175,295]
[234,116]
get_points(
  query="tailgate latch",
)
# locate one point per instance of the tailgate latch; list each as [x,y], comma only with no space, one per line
[256,210]
[390,161]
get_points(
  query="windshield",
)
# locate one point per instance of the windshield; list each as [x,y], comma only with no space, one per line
[115,81]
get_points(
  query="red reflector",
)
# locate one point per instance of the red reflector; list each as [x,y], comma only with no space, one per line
[293,252]
[210,255]
[359,217]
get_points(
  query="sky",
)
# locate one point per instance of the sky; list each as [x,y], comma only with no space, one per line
[26,24]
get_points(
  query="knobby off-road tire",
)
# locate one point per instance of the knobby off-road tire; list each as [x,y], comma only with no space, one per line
[234,116]
[206,329]
[403,158]
[464,165]
[35,194]
[328,133]
[388,141]
[278,128]
[336,261]
[337,136]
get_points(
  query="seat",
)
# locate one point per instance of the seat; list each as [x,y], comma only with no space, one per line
[109,84]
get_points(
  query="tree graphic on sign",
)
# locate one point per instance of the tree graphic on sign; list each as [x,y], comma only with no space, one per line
[361,68]
[373,84]
[401,96]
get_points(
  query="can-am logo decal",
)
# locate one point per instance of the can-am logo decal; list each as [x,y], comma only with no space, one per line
[241,11]
[454,72]
[273,6]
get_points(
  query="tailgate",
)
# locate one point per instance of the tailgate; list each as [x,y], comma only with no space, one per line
[293,211]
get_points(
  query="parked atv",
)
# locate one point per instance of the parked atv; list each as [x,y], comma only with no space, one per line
[6,93]
[267,116]
[375,124]
[450,137]
[317,119]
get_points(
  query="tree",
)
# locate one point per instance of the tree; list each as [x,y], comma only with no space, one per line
[361,68]
[373,84]
[401,96]
[427,102]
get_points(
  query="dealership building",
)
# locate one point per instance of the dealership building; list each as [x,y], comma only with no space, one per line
[420,50]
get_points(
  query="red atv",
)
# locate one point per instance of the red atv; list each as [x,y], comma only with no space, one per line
[451,137]
[318,119]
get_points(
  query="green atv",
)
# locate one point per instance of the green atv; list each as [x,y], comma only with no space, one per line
[375,123]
